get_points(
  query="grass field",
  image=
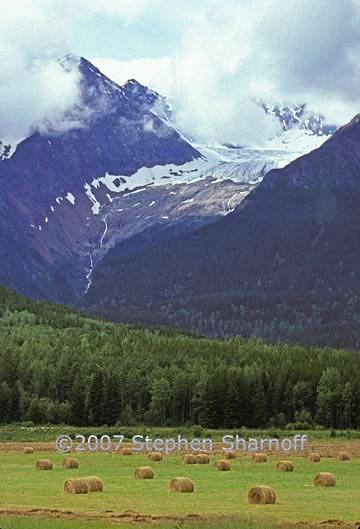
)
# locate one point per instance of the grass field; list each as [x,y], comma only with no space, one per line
[216,493]
[24,522]
[28,432]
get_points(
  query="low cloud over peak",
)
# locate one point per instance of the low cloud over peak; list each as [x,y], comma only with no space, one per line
[234,52]
[216,59]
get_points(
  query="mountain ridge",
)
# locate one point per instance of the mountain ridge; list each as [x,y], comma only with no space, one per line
[289,239]
[119,180]
[71,195]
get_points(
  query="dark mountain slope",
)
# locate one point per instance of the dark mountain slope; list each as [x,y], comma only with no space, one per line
[49,212]
[111,139]
[289,253]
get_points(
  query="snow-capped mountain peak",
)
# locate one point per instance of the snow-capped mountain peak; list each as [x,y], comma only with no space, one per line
[299,116]
[121,168]
[302,130]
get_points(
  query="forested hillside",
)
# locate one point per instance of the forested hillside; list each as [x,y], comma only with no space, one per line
[60,366]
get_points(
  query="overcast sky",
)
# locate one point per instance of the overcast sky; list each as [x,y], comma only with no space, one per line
[212,58]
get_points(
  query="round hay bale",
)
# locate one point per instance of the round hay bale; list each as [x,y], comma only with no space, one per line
[189,459]
[95,484]
[44,464]
[181,485]
[285,466]
[313,457]
[156,456]
[325,479]
[261,495]
[144,473]
[229,455]
[76,486]
[343,456]
[70,462]
[202,459]
[259,458]
[28,450]
[222,464]
[127,452]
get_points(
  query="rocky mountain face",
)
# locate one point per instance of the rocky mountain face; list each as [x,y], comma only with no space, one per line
[286,260]
[66,198]
[120,179]
[300,117]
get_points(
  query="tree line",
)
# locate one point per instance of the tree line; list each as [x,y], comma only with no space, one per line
[58,366]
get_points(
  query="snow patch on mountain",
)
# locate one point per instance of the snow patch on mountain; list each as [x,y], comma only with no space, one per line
[70,197]
[8,147]
[241,165]
[302,129]
[95,204]
[156,176]
[297,140]
[247,165]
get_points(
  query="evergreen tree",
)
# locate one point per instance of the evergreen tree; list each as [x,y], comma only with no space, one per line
[259,404]
[96,399]
[160,400]
[329,398]
[5,402]
[77,413]
[112,400]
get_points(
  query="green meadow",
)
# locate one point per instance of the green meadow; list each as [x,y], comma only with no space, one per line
[24,522]
[218,495]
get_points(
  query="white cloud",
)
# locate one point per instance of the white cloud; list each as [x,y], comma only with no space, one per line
[41,100]
[311,49]
[34,89]
[127,10]
[155,73]
[224,55]
[35,92]
[237,50]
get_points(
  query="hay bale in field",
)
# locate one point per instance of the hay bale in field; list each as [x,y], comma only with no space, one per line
[189,459]
[44,464]
[95,484]
[343,456]
[28,450]
[222,464]
[259,458]
[70,462]
[325,479]
[83,485]
[181,485]
[229,455]
[144,473]
[313,457]
[261,495]
[285,466]
[202,459]
[127,452]
[76,486]
[156,456]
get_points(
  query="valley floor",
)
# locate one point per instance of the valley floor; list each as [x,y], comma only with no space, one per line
[31,498]
[38,521]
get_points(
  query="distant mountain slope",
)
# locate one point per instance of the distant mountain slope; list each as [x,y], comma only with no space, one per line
[299,117]
[121,172]
[286,260]
[58,190]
